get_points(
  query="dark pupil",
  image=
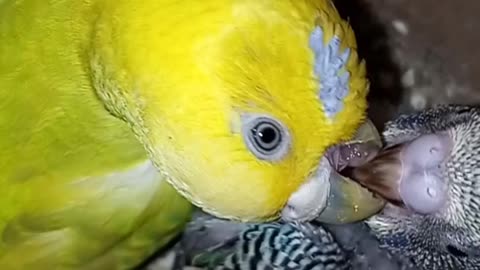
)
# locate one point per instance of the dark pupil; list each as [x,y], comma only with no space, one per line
[267,135]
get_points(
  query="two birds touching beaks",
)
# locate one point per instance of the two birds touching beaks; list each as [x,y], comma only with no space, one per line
[421,172]
[116,117]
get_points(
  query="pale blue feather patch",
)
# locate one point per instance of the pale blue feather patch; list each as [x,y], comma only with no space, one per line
[330,68]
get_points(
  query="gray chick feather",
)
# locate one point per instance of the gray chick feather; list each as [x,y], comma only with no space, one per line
[210,243]
[448,239]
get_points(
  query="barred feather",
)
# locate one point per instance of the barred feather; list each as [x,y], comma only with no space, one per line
[262,246]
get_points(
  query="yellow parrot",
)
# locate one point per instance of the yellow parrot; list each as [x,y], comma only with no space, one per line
[116,116]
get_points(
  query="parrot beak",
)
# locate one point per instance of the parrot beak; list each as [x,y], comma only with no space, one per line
[349,202]
[330,197]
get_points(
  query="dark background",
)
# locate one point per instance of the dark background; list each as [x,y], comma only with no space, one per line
[418,52]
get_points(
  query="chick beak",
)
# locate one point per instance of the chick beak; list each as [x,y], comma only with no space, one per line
[331,197]
[381,175]
[410,174]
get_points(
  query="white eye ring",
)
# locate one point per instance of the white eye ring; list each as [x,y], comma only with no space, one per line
[267,138]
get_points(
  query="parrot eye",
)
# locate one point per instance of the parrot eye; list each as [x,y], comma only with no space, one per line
[266,138]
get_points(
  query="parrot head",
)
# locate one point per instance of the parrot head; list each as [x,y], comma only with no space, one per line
[429,172]
[243,107]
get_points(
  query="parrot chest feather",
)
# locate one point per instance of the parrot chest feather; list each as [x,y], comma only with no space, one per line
[110,222]
[77,189]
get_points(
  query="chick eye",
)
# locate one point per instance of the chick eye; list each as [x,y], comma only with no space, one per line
[456,252]
[266,138]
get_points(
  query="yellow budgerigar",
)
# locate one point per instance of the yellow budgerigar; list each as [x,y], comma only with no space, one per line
[116,117]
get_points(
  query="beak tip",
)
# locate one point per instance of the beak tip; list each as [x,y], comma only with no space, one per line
[357,214]
[344,200]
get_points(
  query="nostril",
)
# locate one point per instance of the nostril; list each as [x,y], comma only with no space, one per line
[431,192]
[428,151]
[423,192]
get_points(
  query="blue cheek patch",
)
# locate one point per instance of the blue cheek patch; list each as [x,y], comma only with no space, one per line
[330,69]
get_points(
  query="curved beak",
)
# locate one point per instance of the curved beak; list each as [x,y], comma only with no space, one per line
[330,197]
[347,200]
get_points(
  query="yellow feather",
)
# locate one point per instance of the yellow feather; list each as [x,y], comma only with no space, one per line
[224,59]
[92,88]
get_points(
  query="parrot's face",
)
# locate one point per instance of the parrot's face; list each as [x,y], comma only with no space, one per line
[254,139]
[431,171]
[240,112]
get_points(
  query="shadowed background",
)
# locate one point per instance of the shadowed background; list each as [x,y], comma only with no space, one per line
[418,53]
